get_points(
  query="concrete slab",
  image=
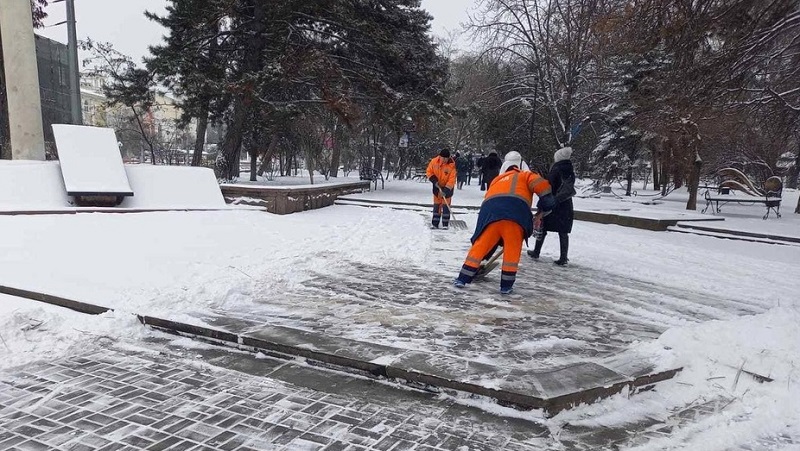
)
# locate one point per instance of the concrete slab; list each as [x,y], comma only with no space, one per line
[91,163]
[551,390]
[729,229]
[657,221]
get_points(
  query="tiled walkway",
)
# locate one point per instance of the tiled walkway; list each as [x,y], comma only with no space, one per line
[119,400]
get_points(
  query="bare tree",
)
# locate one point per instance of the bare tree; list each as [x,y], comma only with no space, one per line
[552,45]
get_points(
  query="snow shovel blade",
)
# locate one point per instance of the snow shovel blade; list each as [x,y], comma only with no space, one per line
[489,266]
[458,224]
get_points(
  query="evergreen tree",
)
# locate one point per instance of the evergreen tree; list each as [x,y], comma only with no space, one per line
[246,59]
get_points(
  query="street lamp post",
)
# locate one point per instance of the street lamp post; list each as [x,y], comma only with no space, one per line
[72,62]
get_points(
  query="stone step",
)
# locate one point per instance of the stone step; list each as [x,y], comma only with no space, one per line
[738,233]
[551,390]
[728,235]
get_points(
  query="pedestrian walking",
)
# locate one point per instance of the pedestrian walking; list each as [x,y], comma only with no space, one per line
[471,159]
[490,169]
[479,165]
[505,219]
[441,173]
[562,180]
[462,170]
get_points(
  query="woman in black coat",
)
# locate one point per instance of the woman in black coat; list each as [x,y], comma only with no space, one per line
[562,180]
[490,169]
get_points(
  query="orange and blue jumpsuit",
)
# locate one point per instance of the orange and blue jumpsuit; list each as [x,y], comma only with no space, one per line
[505,219]
[442,172]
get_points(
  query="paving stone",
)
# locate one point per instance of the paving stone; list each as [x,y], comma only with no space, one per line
[238,411]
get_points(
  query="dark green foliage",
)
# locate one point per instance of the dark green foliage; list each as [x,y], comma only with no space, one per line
[245,60]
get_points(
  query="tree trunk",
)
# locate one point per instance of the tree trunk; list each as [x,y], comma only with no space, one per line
[677,179]
[629,179]
[254,46]
[694,182]
[253,166]
[666,151]
[656,180]
[310,166]
[794,175]
[336,154]
[233,141]
[267,158]
[200,140]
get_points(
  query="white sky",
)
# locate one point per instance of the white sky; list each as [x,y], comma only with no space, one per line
[122,22]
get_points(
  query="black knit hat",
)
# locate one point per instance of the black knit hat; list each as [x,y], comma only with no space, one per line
[445,153]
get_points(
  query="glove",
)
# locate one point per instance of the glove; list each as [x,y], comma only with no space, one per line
[434,179]
[546,203]
[447,192]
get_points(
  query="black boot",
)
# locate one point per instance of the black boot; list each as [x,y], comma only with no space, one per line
[563,241]
[537,249]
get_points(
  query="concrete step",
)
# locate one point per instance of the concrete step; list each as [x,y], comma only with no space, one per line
[551,390]
[729,235]
[739,233]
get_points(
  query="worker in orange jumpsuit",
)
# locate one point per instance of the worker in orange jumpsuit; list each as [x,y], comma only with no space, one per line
[442,173]
[505,219]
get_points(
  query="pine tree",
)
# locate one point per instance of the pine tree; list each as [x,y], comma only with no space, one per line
[275,60]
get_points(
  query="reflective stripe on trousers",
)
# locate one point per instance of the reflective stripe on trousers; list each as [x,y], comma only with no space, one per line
[440,212]
[511,233]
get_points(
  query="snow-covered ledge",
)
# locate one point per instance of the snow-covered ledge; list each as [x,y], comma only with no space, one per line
[287,200]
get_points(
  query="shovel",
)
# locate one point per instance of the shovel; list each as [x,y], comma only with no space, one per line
[454,223]
[487,267]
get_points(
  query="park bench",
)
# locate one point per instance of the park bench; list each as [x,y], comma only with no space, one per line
[733,181]
[372,175]
[420,175]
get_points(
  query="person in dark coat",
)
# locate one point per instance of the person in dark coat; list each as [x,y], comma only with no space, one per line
[462,170]
[471,159]
[562,180]
[490,169]
[479,165]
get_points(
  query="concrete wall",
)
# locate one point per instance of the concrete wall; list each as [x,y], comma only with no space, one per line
[284,201]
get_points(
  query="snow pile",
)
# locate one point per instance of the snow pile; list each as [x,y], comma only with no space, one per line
[32,331]
[176,263]
[731,407]
[31,186]
[39,186]
[173,187]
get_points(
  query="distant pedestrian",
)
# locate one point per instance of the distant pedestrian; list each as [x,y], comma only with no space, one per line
[505,219]
[490,169]
[441,173]
[562,179]
[471,159]
[462,168]
[479,165]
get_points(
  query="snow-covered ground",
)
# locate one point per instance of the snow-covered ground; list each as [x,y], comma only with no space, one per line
[184,264]
[647,203]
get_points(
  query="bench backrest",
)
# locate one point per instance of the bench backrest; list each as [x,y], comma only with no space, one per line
[735,179]
[773,188]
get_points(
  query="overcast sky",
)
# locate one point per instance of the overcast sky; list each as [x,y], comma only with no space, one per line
[122,22]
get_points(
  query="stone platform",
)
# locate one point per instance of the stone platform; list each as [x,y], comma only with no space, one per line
[655,221]
[286,200]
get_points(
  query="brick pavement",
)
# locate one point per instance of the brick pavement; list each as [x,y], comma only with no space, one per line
[164,397]
[109,399]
